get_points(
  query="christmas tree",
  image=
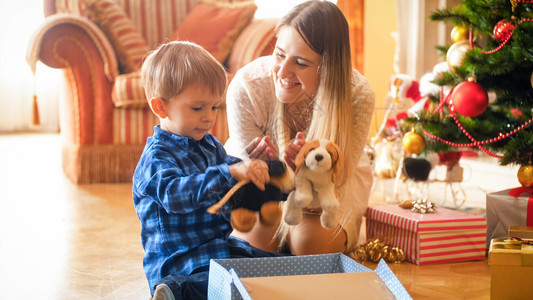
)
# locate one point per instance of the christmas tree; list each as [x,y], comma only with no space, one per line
[490,82]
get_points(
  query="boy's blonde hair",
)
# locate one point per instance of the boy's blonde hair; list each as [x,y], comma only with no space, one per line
[174,66]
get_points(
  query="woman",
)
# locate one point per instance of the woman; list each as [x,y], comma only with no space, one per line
[306,90]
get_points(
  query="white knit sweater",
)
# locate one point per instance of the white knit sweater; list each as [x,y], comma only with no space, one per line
[251,100]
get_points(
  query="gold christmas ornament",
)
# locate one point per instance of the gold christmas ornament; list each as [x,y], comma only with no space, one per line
[525,175]
[456,54]
[413,143]
[459,33]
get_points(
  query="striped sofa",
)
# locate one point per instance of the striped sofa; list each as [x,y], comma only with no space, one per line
[104,117]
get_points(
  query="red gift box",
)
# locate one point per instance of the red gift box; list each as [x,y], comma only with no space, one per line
[441,237]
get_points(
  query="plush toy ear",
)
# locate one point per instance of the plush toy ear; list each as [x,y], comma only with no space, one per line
[336,159]
[299,160]
[281,176]
[300,157]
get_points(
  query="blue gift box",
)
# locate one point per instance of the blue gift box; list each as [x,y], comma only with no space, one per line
[228,277]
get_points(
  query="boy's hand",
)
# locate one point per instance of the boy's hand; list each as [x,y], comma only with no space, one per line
[262,149]
[293,149]
[256,171]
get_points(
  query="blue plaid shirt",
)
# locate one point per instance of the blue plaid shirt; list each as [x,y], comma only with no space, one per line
[176,180]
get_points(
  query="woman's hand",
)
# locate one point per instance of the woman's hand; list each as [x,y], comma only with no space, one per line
[256,171]
[293,149]
[262,149]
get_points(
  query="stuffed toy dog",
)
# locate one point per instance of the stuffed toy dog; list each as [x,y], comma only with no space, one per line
[244,199]
[317,165]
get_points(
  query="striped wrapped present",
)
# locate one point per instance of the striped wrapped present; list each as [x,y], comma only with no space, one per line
[441,237]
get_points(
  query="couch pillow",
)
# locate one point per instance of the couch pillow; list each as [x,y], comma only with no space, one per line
[257,39]
[128,43]
[128,91]
[216,25]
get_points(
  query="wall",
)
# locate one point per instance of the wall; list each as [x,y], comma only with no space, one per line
[416,55]
[17,83]
[380,22]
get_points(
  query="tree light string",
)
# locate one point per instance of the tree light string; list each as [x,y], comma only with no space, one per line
[476,143]
[470,137]
[442,101]
[450,105]
[455,144]
[504,42]
[471,38]
[514,3]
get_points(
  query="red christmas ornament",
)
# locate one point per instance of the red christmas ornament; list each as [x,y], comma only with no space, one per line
[503,30]
[469,99]
[516,113]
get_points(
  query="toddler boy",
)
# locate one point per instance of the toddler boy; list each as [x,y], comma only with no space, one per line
[183,170]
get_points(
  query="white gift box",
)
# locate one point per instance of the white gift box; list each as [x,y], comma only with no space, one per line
[505,210]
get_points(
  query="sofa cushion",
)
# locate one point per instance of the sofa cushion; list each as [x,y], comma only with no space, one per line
[128,91]
[216,25]
[258,39]
[128,43]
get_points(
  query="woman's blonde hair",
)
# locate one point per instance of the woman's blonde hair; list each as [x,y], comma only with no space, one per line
[324,28]
[174,66]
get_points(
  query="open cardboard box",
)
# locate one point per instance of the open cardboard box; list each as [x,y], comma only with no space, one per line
[333,276]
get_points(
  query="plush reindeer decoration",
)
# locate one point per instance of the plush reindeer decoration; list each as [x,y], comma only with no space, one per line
[318,164]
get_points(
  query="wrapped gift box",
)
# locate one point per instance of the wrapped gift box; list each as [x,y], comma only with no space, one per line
[327,276]
[505,210]
[511,270]
[444,236]
[522,232]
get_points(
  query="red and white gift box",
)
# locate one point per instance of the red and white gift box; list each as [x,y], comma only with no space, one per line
[444,236]
[513,207]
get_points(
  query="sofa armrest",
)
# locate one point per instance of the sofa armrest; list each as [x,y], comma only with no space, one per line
[70,31]
[81,49]
[257,39]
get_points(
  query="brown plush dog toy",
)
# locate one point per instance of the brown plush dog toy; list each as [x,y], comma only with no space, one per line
[244,199]
[317,166]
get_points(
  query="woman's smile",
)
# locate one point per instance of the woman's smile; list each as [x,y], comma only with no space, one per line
[287,84]
[296,69]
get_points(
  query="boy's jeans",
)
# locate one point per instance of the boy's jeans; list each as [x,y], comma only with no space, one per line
[194,286]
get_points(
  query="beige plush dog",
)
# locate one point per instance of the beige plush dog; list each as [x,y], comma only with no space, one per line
[317,165]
